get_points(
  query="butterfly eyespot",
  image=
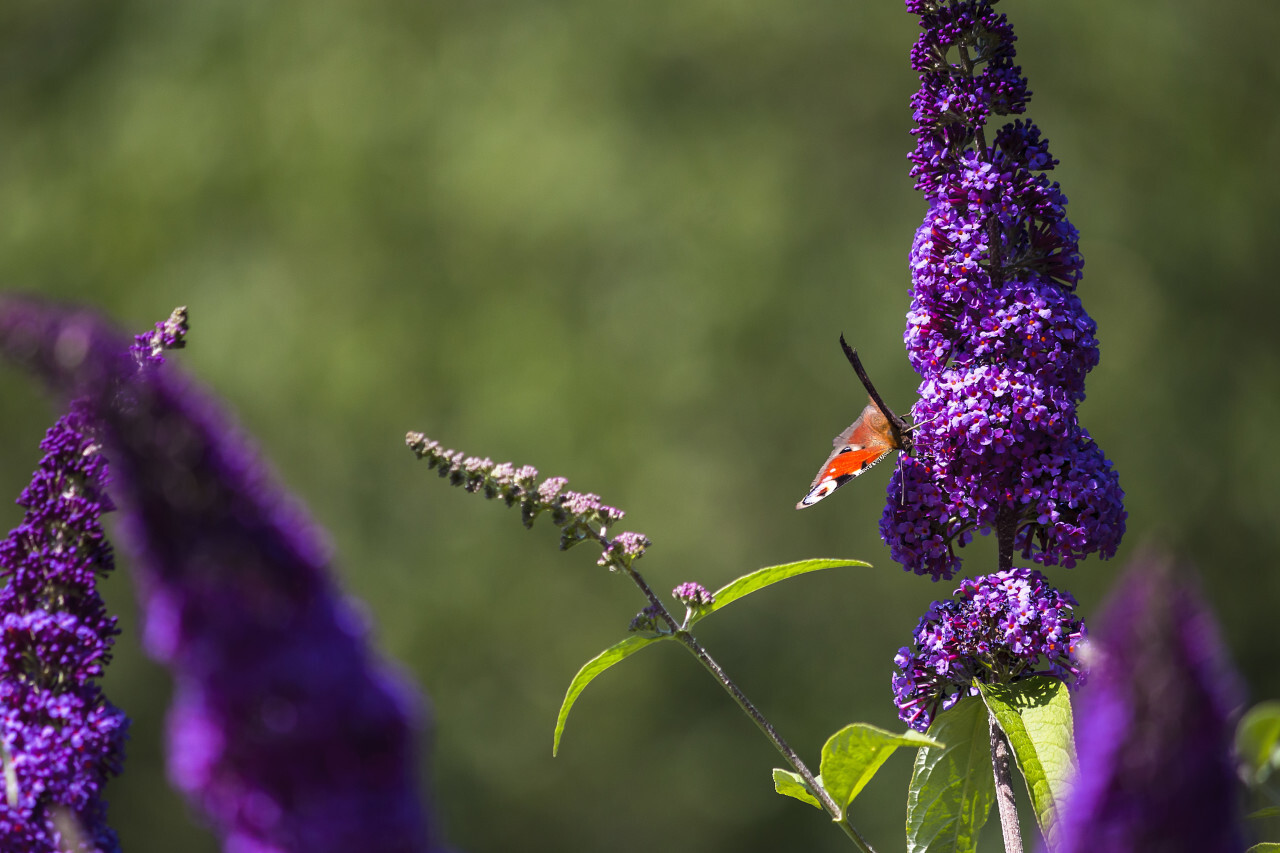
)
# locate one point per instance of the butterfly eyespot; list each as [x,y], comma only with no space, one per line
[819,492]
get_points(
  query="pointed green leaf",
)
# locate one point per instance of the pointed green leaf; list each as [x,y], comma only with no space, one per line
[761,578]
[590,670]
[1258,740]
[790,784]
[1264,813]
[952,788]
[1264,847]
[1035,714]
[852,756]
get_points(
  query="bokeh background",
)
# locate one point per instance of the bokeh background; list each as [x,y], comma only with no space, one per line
[618,241]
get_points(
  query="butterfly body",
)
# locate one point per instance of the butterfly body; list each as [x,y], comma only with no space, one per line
[867,440]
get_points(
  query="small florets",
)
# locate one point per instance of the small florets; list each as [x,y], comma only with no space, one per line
[995,328]
[693,595]
[624,548]
[580,516]
[1000,628]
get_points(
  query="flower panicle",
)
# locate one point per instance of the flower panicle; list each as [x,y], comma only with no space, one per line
[999,628]
[1156,727]
[995,329]
[63,740]
[286,729]
[581,516]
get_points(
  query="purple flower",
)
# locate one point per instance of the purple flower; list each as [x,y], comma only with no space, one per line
[693,594]
[1002,627]
[1155,727]
[646,620]
[148,348]
[62,739]
[622,549]
[579,516]
[995,327]
[285,730]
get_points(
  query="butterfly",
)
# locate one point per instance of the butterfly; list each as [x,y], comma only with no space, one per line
[867,440]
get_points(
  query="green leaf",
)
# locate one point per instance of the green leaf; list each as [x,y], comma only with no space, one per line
[1264,813]
[1258,740]
[953,788]
[790,784]
[1035,714]
[761,578]
[852,756]
[592,668]
[1264,847]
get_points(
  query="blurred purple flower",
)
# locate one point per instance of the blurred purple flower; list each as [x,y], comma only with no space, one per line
[1002,627]
[62,739]
[1155,727]
[285,729]
[995,327]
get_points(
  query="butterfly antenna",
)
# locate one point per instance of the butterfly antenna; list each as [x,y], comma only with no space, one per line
[900,426]
[915,426]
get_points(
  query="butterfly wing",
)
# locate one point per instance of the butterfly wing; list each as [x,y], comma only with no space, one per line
[863,444]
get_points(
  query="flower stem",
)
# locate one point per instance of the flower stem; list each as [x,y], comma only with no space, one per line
[1006,531]
[695,648]
[832,808]
[1000,766]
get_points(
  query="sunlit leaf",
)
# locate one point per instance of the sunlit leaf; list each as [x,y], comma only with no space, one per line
[1258,740]
[852,756]
[761,578]
[790,784]
[1035,714]
[952,788]
[590,670]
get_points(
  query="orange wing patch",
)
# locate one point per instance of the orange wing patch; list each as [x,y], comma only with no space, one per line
[863,444]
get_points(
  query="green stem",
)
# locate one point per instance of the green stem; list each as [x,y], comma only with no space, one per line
[831,806]
[695,648]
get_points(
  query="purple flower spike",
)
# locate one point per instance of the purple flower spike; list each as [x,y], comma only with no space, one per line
[1001,628]
[62,739]
[995,328]
[1155,727]
[580,517]
[286,730]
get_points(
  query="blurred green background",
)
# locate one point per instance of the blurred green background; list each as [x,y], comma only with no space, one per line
[618,241]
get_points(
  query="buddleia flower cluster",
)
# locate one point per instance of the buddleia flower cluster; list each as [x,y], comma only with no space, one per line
[995,328]
[287,731]
[580,516]
[1156,727]
[62,739]
[999,628]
